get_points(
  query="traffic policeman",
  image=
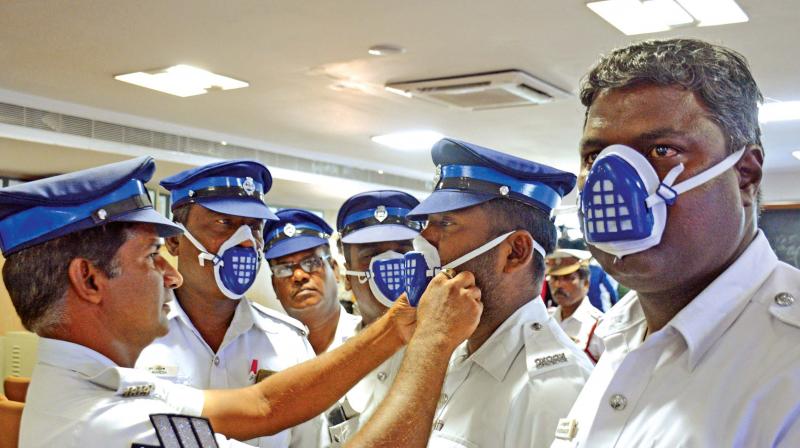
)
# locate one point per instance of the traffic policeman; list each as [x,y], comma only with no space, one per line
[217,337]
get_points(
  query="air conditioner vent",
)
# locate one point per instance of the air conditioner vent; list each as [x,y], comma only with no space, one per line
[508,88]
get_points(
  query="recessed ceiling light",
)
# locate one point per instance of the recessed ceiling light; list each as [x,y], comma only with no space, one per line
[182,80]
[796,155]
[385,50]
[779,111]
[223,143]
[380,171]
[714,12]
[409,140]
[652,16]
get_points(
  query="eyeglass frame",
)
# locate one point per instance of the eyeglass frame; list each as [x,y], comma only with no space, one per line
[293,266]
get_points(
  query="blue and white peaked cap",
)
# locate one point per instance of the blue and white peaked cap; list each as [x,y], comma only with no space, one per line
[36,212]
[295,230]
[232,187]
[376,217]
[468,175]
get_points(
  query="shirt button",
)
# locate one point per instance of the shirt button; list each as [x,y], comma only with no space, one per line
[784,299]
[382,376]
[438,425]
[536,326]
[216,360]
[618,402]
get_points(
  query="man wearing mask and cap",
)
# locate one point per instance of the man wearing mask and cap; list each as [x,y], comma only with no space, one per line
[372,226]
[84,271]
[703,350]
[218,338]
[568,278]
[488,216]
[304,276]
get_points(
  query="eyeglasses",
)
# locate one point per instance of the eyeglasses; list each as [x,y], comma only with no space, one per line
[309,265]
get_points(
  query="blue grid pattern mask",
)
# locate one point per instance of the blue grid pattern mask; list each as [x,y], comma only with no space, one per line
[624,204]
[385,277]
[235,266]
[423,263]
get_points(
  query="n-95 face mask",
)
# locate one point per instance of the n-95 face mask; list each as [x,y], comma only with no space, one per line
[624,204]
[423,263]
[235,266]
[385,276]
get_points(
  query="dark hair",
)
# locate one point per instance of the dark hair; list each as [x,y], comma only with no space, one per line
[37,278]
[181,214]
[584,272]
[719,76]
[508,215]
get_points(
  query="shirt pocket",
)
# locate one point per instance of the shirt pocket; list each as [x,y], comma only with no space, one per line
[442,440]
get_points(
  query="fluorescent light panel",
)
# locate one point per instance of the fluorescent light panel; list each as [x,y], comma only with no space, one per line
[182,81]
[779,111]
[409,140]
[652,16]
[796,155]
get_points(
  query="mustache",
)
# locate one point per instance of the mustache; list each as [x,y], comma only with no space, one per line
[560,291]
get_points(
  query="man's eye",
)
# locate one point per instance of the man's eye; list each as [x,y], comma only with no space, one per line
[662,151]
[589,159]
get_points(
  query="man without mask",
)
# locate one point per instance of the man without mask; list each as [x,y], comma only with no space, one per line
[211,322]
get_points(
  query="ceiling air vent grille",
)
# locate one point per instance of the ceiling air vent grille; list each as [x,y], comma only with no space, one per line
[508,88]
[12,114]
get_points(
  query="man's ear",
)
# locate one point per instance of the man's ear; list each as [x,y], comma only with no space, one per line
[521,251]
[88,282]
[173,244]
[335,266]
[750,173]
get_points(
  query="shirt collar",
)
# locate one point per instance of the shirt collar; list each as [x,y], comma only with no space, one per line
[499,351]
[710,314]
[70,356]
[243,318]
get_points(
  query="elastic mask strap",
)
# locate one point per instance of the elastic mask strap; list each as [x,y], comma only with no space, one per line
[481,250]
[666,192]
[363,276]
[204,253]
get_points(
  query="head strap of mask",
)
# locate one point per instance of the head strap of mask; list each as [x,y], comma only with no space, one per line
[667,192]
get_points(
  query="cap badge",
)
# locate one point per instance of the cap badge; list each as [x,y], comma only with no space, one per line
[249,186]
[289,229]
[437,175]
[380,213]
[504,190]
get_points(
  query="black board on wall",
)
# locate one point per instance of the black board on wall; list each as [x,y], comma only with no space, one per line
[781,225]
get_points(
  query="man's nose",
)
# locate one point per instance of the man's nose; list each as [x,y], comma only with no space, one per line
[172,278]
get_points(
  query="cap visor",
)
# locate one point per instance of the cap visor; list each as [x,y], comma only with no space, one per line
[380,233]
[293,245]
[565,270]
[447,200]
[238,207]
[164,226]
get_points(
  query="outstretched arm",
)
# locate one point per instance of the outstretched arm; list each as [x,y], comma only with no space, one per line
[304,391]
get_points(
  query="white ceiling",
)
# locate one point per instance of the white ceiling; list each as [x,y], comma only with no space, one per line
[292,51]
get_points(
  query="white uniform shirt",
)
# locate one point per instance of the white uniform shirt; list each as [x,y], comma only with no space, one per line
[346,328]
[724,372]
[581,324]
[257,339]
[79,398]
[513,389]
[365,397]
